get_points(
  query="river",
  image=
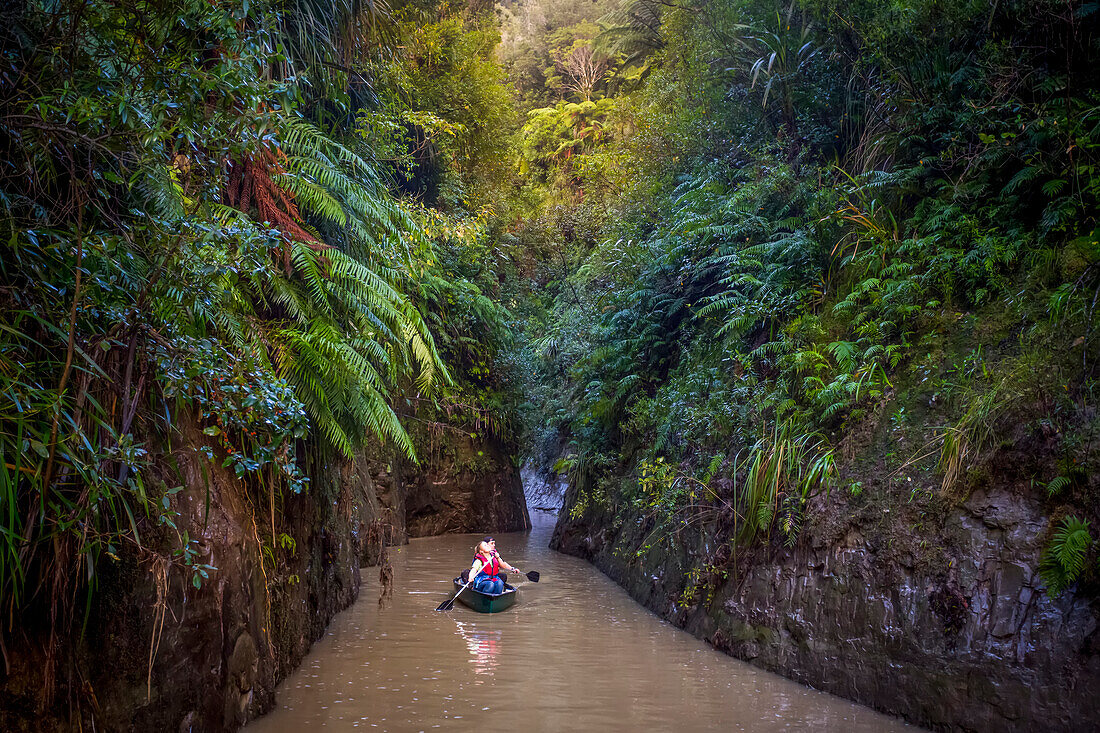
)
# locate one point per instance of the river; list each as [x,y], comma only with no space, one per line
[575,653]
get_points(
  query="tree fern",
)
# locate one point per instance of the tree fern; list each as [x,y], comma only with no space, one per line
[346,300]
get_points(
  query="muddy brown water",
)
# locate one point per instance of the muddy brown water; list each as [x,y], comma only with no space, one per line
[575,653]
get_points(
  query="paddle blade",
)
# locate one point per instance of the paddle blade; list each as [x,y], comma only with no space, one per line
[448,604]
[533,576]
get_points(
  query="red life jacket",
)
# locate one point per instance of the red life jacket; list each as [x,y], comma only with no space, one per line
[490,565]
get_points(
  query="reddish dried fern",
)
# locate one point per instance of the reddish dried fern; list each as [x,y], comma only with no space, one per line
[251,188]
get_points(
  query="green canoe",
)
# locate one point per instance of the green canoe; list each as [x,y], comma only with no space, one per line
[484,602]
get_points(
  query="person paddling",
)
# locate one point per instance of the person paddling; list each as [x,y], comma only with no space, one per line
[486,568]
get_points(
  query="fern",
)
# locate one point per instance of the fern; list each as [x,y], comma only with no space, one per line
[1065,557]
[352,334]
[1025,175]
[764,513]
[1057,484]
[1054,186]
[845,353]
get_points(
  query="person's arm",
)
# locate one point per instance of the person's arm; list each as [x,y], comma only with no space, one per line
[507,567]
[475,569]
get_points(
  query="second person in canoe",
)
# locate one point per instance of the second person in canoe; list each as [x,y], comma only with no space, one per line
[487,566]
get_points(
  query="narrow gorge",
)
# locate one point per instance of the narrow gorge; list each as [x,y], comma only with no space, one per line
[782,312]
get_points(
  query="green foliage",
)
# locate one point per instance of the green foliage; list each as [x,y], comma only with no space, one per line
[472,331]
[792,207]
[560,135]
[439,126]
[320,36]
[784,470]
[1064,561]
[767,488]
[182,243]
[443,116]
[538,37]
[253,416]
[974,430]
[100,128]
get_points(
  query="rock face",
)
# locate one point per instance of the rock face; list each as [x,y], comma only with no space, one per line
[160,654]
[976,647]
[544,492]
[471,487]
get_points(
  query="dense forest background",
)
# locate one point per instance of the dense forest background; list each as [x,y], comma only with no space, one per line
[741,265]
[820,263]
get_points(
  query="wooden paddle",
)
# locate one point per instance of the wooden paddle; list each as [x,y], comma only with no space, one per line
[448,604]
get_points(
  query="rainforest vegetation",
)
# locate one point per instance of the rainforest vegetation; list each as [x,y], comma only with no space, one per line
[729,266]
[269,220]
[821,262]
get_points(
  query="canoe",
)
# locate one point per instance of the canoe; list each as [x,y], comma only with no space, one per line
[484,602]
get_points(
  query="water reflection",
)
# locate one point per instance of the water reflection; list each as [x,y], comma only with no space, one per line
[484,645]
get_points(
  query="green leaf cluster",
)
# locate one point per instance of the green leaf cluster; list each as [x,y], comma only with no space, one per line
[793,207]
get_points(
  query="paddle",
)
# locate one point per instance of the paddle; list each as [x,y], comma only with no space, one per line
[448,604]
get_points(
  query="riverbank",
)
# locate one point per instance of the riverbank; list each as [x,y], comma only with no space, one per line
[160,652]
[975,646]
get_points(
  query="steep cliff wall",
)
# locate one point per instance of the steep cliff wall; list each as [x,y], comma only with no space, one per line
[467,483]
[161,654]
[968,642]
